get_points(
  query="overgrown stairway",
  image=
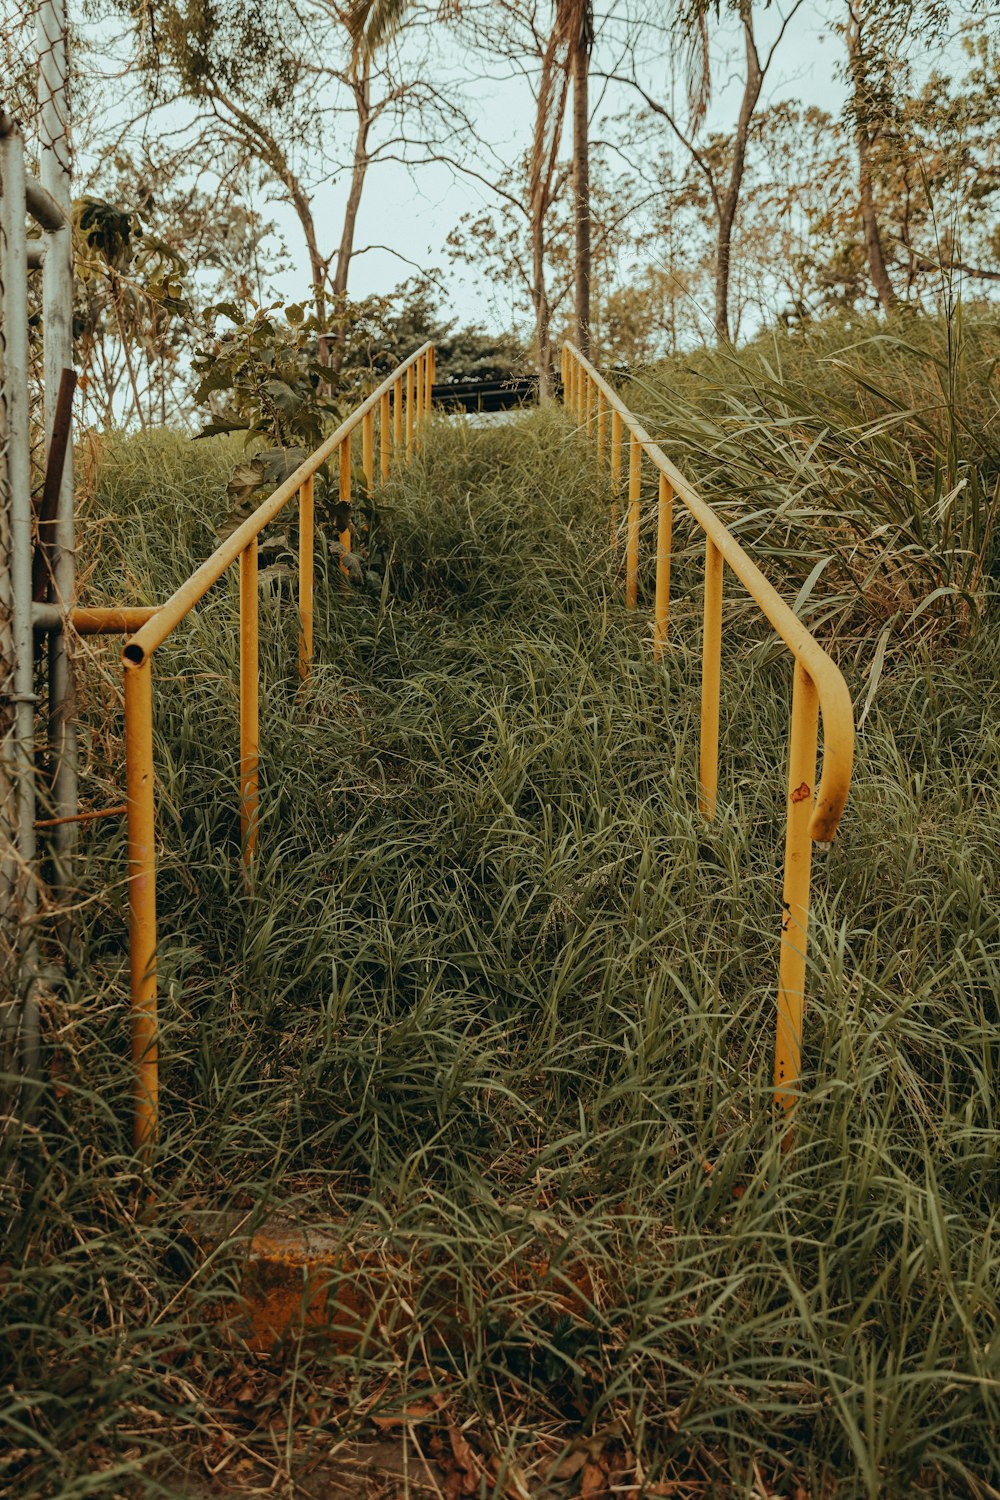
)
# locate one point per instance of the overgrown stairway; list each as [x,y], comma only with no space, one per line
[472,1061]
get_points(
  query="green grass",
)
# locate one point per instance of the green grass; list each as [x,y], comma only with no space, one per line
[867,450]
[497,982]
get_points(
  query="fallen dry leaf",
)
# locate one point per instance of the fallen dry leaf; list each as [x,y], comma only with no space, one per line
[570,1465]
[593,1481]
[462,1475]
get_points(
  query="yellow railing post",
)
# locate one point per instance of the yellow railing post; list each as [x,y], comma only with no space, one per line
[384,434]
[664,542]
[616,477]
[147,629]
[418,393]
[795,895]
[711,670]
[397,415]
[409,410]
[632,541]
[249,699]
[602,425]
[429,375]
[142,902]
[814,811]
[368,449]
[307,532]
[344,462]
[591,394]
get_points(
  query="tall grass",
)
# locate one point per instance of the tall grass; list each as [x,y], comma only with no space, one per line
[496,984]
[863,452]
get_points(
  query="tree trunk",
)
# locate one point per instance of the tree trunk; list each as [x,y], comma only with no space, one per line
[864,139]
[317,265]
[266,149]
[540,302]
[362,99]
[582,43]
[549,111]
[731,197]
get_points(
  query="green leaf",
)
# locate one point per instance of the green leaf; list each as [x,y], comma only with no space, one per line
[220,424]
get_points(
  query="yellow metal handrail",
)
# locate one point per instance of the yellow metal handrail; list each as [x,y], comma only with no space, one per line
[401,401]
[813,812]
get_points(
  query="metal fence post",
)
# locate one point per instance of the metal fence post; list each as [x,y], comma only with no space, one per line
[20,867]
[8,761]
[55,172]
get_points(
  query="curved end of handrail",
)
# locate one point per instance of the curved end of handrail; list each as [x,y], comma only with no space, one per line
[838,753]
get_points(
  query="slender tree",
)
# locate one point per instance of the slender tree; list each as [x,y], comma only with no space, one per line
[724,184]
[869,107]
[267,78]
[567,51]
[578,22]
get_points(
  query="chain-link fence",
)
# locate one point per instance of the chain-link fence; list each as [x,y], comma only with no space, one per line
[36,493]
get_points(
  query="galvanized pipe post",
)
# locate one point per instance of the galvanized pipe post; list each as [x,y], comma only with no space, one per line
[8,760]
[52,40]
[20,874]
